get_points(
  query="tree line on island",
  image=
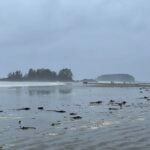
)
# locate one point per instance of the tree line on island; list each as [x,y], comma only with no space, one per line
[41,75]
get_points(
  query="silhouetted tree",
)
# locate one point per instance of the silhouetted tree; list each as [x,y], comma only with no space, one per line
[65,75]
[31,74]
[42,75]
[15,75]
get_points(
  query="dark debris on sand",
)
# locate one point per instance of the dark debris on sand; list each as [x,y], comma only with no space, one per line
[96,103]
[113,105]
[55,124]
[57,111]
[25,108]
[25,128]
[120,104]
[73,114]
[40,108]
[113,109]
[76,118]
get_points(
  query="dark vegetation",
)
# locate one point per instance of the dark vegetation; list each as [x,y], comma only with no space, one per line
[41,75]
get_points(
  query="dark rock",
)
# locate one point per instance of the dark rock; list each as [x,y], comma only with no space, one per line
[96,103]
[73,114]
[77,117]
[145,97]
[121,104]
[1,111]
[58,111]
[25,108]
[55,124]
[28,128]
[113,108]
[111,101]
[124,102]
[40,108]
[19,122]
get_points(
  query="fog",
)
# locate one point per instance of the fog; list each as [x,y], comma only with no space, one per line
[91,37]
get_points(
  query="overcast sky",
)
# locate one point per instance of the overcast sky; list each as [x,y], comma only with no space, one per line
[92,37]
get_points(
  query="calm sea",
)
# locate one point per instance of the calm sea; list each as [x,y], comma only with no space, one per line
[98,129]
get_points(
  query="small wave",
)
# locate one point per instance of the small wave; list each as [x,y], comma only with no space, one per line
[10,118]
[29,84]
[140,119]
[98,124]
[8,146]
[52,134]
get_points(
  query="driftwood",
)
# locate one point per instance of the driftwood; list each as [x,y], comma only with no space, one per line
[96,103]
[57,111]
[76,118]
[113,108]
[25,108]
[27,128]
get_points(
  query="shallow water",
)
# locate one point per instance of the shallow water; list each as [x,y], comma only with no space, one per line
[99,128]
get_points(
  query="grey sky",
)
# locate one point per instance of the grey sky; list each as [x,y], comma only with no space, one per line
[91,37]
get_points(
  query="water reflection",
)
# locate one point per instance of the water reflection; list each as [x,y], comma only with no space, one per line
[49,90]
[65,89]
[41,90]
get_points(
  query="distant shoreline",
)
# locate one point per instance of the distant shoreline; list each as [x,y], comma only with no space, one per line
[118,84]
[3,80]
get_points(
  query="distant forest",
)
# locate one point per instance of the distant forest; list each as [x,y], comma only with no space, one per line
[41,75]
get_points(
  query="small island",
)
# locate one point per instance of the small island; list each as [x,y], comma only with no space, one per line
[114,80]
[64,75]
[117,78]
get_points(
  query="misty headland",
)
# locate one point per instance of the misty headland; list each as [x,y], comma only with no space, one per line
[64,75]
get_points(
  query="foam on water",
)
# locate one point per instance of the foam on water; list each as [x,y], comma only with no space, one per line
[8,118]
[52,134]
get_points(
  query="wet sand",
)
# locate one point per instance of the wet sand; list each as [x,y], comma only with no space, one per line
[74,117]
